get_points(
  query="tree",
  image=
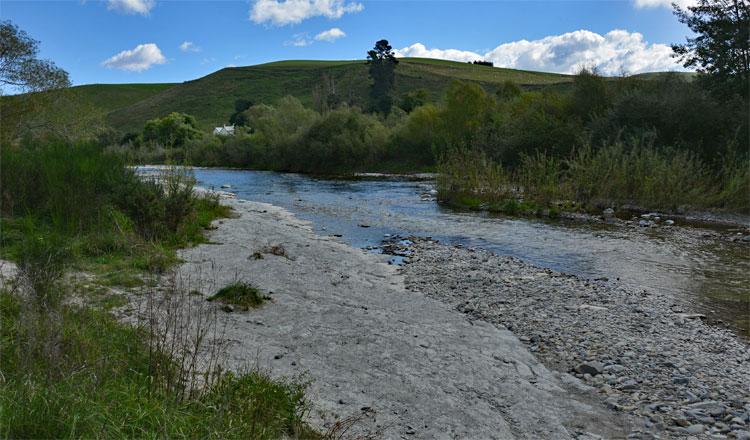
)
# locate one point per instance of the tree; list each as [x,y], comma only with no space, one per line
[238,117]
[414,99]
[172,130]
[19,66]
[721,48]
[382,61]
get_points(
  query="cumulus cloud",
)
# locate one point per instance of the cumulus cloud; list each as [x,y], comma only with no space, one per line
[330,35]
[664,3]
[284,12]
[419,50]
[616,52]
[141,58]
[189,46]
[142,7]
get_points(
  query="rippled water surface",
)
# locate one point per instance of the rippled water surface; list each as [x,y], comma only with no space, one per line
[712,276]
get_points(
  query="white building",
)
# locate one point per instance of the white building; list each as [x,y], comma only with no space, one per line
[224,130]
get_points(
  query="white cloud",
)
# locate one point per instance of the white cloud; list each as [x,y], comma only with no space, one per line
[419,50]
[141,58]
[330,35]
[189,46]
[299,40]
[142,7]
[284,12]
[616,52]
[664,3]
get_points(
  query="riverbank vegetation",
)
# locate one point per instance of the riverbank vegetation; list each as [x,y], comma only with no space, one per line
[72,366]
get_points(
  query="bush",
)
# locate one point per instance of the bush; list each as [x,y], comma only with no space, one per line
[240,294]
[342,140]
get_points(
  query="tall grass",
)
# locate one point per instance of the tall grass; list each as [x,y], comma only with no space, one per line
[620,174]
[70,369]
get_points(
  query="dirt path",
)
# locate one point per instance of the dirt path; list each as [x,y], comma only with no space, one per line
[344,318]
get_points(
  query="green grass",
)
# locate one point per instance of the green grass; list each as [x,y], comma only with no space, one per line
[99,385]
[593,179]
[126,107]
[239,294]
[211,98]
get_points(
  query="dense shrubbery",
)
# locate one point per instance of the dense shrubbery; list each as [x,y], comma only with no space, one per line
[664,116]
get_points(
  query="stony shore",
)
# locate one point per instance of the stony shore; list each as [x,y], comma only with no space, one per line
[404,364]
[666,371]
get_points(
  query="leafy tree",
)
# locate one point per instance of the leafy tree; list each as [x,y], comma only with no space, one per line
[19,66]
[238,117]
[467,108]
[721,47]
[382,61]
[590,94]
[413,99]
[172,130]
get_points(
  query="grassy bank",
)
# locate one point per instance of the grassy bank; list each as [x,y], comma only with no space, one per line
[68,368]
[595,179]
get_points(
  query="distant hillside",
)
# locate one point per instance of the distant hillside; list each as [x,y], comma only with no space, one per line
[211,98]
[89,102]
[126,107]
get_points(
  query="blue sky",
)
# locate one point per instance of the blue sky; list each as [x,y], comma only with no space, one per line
[114,41]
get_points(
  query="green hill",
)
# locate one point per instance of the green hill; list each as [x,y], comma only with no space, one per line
[85,103]
[211,98]
[126,107]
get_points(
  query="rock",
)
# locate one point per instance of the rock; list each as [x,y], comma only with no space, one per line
[746,239]
[669,222]
[680,380]
[592,368]
[614,368]
[644,223]
[228,308]
[741,435]
[695,429]
[592,308]
[629,384]
[609,212]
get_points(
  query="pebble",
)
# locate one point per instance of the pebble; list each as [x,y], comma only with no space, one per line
[650,359]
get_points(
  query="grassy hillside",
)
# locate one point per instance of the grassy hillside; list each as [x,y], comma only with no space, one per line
[85,104]
[126,107]
[211,98]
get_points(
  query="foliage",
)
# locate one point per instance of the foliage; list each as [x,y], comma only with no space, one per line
[344,139]
[721,46]
[382,63]
[238,117]
[173,130]
[467,108]
[19,66]
[240,294]
[413,99]
[99,385]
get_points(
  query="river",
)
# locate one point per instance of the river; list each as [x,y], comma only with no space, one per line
[704,275]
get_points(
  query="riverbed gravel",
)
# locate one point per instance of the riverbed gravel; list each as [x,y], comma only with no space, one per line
[662,367]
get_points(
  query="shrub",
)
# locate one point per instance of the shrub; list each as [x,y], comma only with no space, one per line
[240,294]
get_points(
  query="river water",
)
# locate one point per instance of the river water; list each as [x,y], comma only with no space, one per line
[703,274]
